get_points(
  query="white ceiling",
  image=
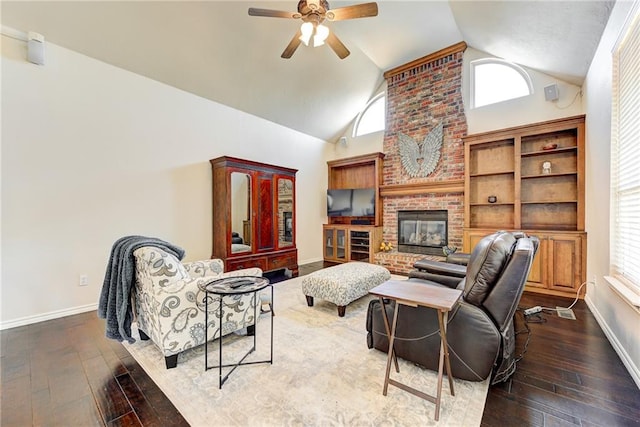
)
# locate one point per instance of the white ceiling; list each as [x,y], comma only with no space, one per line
[215,50]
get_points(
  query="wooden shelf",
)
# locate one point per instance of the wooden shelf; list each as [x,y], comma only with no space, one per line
[550,175]
[546,152]
[506,172]
[492,204]
[546,202]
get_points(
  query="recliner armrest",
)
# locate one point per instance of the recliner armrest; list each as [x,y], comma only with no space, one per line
[439,279]
[441,268]
[460,258]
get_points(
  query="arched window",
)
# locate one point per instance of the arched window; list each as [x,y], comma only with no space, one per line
[372,117]
[495,80]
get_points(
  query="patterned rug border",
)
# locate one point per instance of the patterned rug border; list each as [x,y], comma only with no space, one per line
[316,356]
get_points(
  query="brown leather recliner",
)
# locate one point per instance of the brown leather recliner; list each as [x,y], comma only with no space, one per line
[480,330]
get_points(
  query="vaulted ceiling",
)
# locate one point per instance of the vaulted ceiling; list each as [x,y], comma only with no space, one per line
[214,49]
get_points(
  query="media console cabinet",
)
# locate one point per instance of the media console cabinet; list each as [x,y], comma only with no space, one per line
[354,238]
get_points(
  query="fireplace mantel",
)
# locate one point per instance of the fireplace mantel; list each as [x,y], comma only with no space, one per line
[436,187]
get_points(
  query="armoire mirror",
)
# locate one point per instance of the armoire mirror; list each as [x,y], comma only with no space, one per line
[240,212]
[285,212]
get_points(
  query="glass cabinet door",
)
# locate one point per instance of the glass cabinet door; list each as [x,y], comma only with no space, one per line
[341,247]
[329,243]
[335,244]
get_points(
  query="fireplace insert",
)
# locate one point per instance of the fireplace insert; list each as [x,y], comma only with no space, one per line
[423,232]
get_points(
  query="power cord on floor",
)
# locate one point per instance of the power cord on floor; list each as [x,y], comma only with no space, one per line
[527,320]
[537,309]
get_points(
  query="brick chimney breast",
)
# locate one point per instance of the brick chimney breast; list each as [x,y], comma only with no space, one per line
[420,96]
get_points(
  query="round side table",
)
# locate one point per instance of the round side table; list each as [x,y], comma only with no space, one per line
[217,290]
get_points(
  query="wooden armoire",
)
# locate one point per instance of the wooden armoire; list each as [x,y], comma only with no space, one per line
[254,215]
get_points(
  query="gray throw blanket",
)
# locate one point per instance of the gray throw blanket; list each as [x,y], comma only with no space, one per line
[115,301]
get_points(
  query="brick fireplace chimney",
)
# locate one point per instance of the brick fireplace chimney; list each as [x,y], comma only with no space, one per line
[421,95]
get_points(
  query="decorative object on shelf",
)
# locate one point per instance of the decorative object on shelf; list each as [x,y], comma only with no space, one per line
[411,152]
[550,146]
[546,168]
[448,250]
[386,246]
[492,199]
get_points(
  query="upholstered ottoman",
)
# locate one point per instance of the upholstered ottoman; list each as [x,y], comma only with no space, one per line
[343,283]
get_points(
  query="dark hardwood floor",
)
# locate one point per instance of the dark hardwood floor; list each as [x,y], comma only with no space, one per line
[64,372]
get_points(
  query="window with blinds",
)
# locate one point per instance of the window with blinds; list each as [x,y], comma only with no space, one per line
[625,156]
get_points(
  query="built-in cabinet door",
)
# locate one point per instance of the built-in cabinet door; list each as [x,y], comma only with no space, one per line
[335,243]
[565,272]
[471,239]
[557,265]
[538,274]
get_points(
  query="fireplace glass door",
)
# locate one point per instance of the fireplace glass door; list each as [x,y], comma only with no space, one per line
[422,232]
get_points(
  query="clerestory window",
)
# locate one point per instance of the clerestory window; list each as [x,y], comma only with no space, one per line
[496,80]
[372,117]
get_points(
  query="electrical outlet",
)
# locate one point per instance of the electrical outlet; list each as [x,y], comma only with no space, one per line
[84,280]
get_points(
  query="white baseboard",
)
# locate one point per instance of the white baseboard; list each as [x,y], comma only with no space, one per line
[47,316]
[634,370]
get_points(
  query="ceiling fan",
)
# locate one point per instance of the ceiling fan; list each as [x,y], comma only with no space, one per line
[313,13]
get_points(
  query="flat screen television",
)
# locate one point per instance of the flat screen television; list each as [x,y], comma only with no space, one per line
[351,202]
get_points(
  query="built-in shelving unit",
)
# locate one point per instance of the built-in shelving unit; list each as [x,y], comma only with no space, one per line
[531,178]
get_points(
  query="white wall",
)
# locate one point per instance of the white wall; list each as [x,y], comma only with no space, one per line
[519,111]
[618,320]
[91,152]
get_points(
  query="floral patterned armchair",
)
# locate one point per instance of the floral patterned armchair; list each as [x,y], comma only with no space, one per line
[169,307]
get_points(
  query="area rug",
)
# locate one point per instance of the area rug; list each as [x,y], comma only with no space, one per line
[322,374]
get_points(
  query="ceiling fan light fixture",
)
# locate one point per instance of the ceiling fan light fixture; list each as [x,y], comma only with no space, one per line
[307,31]
[313,13]
[320,35]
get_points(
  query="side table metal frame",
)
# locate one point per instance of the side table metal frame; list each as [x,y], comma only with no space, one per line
[220,297]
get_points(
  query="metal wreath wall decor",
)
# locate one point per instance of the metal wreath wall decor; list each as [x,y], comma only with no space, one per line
[421,159]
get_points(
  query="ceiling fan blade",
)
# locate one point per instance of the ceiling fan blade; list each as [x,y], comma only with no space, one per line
[272,13]
[337,46]
[363,10]
[292,46]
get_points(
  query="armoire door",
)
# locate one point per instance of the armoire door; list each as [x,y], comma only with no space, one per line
[265,240]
